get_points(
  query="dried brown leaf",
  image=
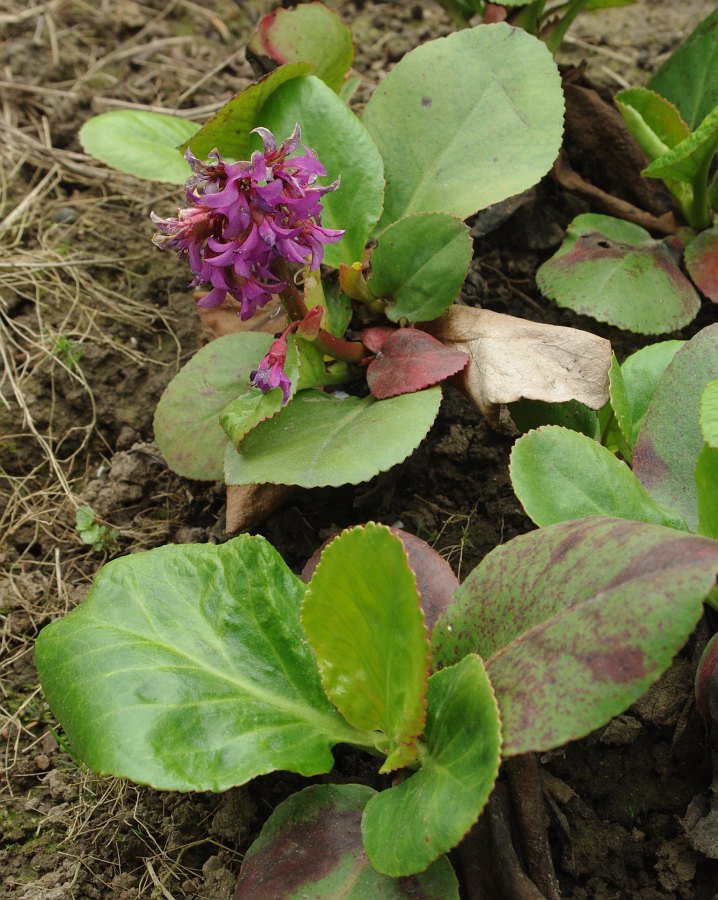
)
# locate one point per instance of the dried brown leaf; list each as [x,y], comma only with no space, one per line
[249,504]
[220,320]
[513,358]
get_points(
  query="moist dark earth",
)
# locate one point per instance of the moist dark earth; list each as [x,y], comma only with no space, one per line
[93,324]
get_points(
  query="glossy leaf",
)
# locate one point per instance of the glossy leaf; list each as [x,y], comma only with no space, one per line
[465,121]
[701,259]
[408,826]
[309,33]
[707,491]
[560,475]
[654,121]
[689,77]
[615,272]
[419,265]
[665,454]
[347,151]
[229,129]
[186,422]
[576,620]
[320,440]
[632,387]
[411,360]
[186,669]
[139,142]
[325,820]
[363,619]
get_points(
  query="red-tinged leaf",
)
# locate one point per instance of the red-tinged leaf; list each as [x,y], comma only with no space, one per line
[373,338]
[701,259]
[411,360]
[707,682]
[435,578]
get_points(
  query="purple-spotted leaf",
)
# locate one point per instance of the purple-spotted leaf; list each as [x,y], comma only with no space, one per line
[616,272]
[576,621]
[670,439]
[707,682]
[186,423]
[513,359]
[324,821]
[310,33]
[411,360]
[408,826]
[701,258]
[229,129]
[363,619]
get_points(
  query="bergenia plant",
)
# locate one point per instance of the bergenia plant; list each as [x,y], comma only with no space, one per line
[616,271]
[199,667]
[460,123]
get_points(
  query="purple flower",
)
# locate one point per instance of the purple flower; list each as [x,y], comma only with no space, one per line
[270,373]
[246,216]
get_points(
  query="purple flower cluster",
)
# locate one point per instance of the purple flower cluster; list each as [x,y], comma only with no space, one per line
[245,217]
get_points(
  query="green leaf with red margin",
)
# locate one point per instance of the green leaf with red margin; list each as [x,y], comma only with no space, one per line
[576,621]
[615,272]
[670,439]
[309,33]
[325,821]
[408,826]
[701,259]
[186,421]
[363,619]
[229,129]
[411,360]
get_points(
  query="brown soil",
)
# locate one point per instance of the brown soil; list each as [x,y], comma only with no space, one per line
[93,324]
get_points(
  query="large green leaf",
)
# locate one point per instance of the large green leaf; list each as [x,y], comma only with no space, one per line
[632,387]
[707,491]
[347,151]
[665,454]
[615,272]
[576,621]
[229,129]
[709,414]
[559,475]
[320,440]
[689,77]
[465,121]
[310,33]
[419,265]
[407,827]
[186,668]
[140,142]
[186,422]
[363,618]
[325,820]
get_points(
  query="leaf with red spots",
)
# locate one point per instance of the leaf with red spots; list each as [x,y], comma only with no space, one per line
[409,361]
[576,621]
[701,259]
[325,822]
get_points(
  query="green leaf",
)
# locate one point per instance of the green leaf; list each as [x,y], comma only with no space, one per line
[575,621]
[615,272]
[332,862]
[632,391]
[687,160]
[465,121]
[140,142]
[407,827]
[363,618]
[654,121]
[245,412]
[668,444]
[419,265]
[689,77]
[186,422]
[707,491]
[320,440]
[84,518]
[708,415]
[347,151]
[310,33]
[620,430]
[339,309]
[186,668]
[528,414]
[560,475]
